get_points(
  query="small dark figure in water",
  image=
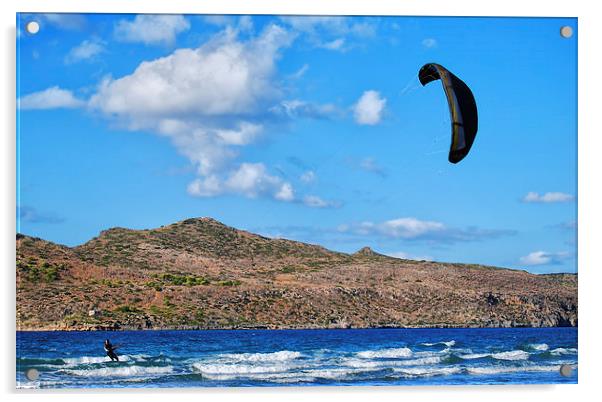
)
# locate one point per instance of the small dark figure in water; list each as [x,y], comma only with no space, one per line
[110,349]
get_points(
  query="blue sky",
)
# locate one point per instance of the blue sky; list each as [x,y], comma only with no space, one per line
[310,128]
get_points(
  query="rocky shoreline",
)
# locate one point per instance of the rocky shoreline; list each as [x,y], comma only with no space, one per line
[101,328]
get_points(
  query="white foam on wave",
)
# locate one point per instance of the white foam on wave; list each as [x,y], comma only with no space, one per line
[332,373]
[420,362]
[511,355]
[274,377]
[282,355]
[28,385]
[288,377]
[121,371]
[230,366]
[74,361]
[513,369]
[381,364]
[363,363]
[427,371]
[385,353]
[471,356]
[449,344]
[239,368]
[436,353]
[458,350]
[563,351]
[542,347]
[304,376]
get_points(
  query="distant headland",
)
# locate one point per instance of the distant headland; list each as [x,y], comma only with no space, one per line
[202,274]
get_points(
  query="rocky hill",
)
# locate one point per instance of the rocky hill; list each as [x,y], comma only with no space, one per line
[199,273]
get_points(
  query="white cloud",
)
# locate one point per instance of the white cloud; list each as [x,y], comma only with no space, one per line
[208,186]
[331,32]
[51,98]
[243,24]
[300,72]
[223,77]
[250,180]
[67,21]
[549,197]
[369,108]
[544,258]
[298,108]
[210,102]
[409,228]
[85,51]
[285,193]
[218,20]
[334,25]
[429,43]
[314,201]
[311,23]
[205,100]
[308,177]
[244,135]
[151,29]
[336,44]
[370,165]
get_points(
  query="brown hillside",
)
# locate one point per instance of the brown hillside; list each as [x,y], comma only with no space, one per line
[199,273]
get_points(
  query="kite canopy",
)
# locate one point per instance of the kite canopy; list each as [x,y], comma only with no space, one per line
[462,107]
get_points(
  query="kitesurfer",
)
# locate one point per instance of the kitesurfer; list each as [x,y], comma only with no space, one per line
[110,349]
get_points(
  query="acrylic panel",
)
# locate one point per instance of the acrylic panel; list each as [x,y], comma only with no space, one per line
[234,200]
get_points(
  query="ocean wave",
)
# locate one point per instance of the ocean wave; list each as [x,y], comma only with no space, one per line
[563,351]
[42,384]
[285,377]
[364,363]
[449,344]
[309,375]
[420,362]
[511,355]
[428,371]
[31,361]
[332,373]
[379,357]
[542,347]
[282,355]
[278,377]
[28,385]
[239,368]
[471,356]
[74,361]
[511,369]
[432,353]
[385,353]
[299,377]
[121,371]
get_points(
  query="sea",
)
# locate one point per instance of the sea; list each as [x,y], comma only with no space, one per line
[260,358]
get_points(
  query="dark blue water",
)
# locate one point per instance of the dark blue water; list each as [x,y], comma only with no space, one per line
[298,357]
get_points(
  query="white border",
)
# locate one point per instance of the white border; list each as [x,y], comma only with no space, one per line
[590,200]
